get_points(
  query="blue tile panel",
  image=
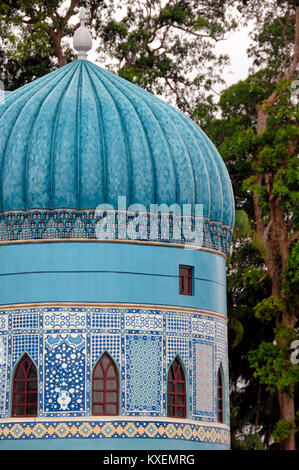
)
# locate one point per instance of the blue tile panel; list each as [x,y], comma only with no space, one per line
[81,136]
[65,342]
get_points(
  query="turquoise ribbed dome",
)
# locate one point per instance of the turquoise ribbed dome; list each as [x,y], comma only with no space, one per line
[81,136]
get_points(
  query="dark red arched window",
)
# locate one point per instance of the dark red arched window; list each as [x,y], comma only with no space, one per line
[176,390]
[219,397]
[24,397]
[105,387]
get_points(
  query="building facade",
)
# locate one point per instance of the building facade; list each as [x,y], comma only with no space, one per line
[116,216]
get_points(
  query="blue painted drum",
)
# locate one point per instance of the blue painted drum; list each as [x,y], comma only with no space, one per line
[110,272]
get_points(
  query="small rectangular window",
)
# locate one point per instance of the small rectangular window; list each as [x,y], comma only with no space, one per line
[185,280]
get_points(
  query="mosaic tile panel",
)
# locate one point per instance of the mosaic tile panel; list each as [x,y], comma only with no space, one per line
[143,321]
[178,322]
[204,384]
[221,354]
[3,372]
[105,319]
[64,319]
[21,321]
[22,343]
[177,346]
[143,373]
[203,327]
[101,343]
[3,322]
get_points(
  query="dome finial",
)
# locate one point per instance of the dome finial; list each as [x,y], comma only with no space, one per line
[82,39]
[83,16]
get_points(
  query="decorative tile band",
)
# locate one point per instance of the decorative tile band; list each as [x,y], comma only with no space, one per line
[66,341]
[115,429]
[67,224]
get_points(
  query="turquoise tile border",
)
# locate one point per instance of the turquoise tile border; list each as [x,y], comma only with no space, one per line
[117,430]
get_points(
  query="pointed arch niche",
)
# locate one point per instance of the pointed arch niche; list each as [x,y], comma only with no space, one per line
[105,387]
[220,399]
[24,391]
[176,390]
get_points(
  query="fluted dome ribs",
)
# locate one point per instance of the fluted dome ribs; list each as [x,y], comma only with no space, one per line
[82,136]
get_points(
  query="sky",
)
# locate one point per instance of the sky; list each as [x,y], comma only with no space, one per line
[236,47]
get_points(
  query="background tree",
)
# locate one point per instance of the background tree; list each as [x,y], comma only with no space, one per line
[275,199]
[167,47]
[34,36]
[258,136]
[253,411]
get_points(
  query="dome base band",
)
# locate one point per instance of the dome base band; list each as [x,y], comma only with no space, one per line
[67,224]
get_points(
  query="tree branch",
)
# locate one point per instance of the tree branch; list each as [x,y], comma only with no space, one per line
[293,237]
[69,13]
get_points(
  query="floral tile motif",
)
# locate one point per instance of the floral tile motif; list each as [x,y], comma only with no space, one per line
[64,367]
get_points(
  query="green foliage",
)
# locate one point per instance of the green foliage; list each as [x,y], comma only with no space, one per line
[290,288]
[283,429]
[268,309]
[246,285]
[271,361]
[240,99]
[33,37]
[274,29]
[242,224]
[238,328]
[179,14]
[251,442]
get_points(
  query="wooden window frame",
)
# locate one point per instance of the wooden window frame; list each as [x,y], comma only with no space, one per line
[105,379]
[25,404]
[185,280]
[173,395]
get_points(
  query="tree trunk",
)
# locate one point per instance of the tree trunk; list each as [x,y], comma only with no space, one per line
[59,54]
[56,38]
[57,32]
[287,411]
[276,239]
[277,250]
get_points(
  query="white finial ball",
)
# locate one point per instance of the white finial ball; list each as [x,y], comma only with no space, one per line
[82,41]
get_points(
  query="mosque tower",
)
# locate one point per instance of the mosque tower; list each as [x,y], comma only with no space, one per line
[116,214]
